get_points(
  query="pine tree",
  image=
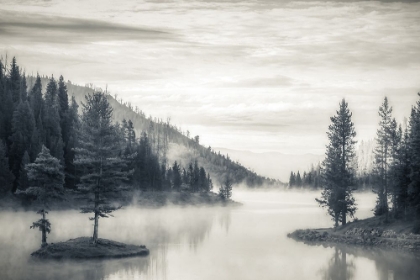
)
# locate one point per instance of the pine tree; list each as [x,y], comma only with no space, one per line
[7,107]
[23,126]
[385,143]
[414,142]
[400,175]
[338,174]
[53,136]
[63,102]
[225,190]
[6,176]
[73,127]
[46,183]
[203,180]
[96,156]
[37,104]
[190,172]
[176,173]
[209,182]
[298,180]
[15,82]
[292,180]
[196,177]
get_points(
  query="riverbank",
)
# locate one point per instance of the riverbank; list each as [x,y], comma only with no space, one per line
[83,248]
[146,199]
[372,232]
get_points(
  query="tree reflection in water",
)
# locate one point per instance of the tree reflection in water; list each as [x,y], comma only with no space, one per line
[338,267]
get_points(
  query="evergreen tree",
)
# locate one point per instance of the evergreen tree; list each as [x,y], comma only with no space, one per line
[414,142]
[400,175]
[298,180]
[191,179]
[63,102]
[338,174]
[130,138]
[6,176]
[203,184]
[385,143]
[225,190]
[97,158]
[73,127]
[15,82]
[176,173]
[196,177]
[37,104]
[46,183]
[53,137]
[292,180]
[6,108]
[23,126]
[209,182]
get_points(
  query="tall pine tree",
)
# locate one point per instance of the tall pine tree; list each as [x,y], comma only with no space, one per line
[53,137]
[96,157]
[414,142]
[338,172]
[385,145]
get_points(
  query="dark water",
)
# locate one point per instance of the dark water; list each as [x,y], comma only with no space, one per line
[204,243]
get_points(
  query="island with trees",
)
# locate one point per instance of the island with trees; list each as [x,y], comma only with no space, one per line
[395,179]
[56,154]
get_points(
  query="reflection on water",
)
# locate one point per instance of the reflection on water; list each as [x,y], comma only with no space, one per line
[338,268]
[248,242]
[389,265]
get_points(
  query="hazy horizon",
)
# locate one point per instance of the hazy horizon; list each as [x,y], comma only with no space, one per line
[259,76]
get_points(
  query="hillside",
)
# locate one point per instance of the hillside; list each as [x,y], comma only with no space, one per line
[171,144]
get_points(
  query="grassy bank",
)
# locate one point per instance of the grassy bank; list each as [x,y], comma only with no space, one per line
[372,232]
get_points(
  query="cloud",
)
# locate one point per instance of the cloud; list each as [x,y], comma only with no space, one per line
[57,29]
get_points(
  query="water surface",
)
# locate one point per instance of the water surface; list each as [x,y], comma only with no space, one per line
[248,242]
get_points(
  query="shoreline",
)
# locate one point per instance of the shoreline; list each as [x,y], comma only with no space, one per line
[82,248]
[142,199]
[368,233]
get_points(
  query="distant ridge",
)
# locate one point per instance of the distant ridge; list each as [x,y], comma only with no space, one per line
[274,164]
[170,142]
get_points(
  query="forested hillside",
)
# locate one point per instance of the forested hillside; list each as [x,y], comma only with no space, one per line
[170,143]
[43,111]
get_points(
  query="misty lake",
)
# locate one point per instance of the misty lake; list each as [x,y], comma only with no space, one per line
[247,242]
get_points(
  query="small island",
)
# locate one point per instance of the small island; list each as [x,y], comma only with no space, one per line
[373,232]
[84,248]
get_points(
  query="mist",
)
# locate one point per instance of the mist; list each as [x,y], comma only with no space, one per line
[194,242]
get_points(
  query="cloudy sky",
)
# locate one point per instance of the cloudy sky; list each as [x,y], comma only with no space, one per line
[248,75]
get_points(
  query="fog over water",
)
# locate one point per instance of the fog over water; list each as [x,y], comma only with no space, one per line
[247,242]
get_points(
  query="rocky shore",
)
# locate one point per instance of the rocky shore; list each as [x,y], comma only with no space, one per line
[83,248]
[364,233]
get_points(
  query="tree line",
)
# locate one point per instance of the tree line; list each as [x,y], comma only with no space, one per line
[395,177]
[31,119]
[309,180]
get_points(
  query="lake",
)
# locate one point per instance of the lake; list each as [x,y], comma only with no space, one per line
[247,242]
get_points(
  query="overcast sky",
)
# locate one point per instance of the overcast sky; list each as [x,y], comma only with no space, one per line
[246,75]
